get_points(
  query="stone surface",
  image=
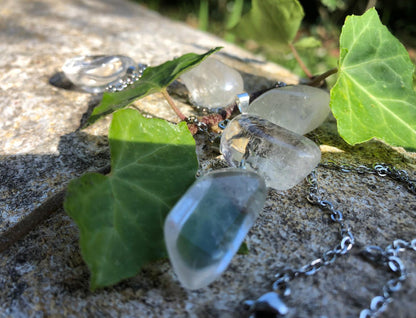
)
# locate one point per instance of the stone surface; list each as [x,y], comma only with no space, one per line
[94,73]
[299,108]
[281,156]
[212,84]
[205,229]
[41,144]
[42,148]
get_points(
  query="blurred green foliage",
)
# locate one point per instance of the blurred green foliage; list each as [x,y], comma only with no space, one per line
[322,24]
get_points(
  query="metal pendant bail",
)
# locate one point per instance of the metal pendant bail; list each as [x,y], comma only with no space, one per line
[242,101]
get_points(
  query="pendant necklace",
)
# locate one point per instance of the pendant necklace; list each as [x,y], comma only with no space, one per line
[264,147]
[208,224]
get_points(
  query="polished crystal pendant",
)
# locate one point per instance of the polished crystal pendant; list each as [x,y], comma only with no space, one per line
[281,156]
[206,227]
[212,84]
[94,73]
[299,108]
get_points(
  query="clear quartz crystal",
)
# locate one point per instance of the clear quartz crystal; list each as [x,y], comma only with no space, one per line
[94,73]
[212,84]
[281,156]
[206,227]
[299,108]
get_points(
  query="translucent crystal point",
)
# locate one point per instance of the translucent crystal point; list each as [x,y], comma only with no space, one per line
[206,227]
[299,108]
[213,84]
[94,73]
[281,156]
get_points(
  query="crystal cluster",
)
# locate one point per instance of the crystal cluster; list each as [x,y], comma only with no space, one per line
[298,108]
[206,227]
[281,156]
[94,73]
[213,84]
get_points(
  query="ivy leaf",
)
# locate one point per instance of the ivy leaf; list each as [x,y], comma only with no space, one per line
[120,216]
[153,80]
[374,95]
[271,21]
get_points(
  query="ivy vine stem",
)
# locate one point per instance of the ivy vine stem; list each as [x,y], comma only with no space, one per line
[299,60]
[172,104]
[317,80]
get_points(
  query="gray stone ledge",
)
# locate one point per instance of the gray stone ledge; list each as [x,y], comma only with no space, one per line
[42,148]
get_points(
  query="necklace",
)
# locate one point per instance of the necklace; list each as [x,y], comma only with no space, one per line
[206,227]
[238,150]
[99,73]
[387,258]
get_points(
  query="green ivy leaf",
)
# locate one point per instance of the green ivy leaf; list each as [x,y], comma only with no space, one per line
[271,21]
[120,216]
[374,95]
[153,80]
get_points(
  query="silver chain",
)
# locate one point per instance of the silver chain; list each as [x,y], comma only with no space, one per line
[133,74]
[388,258]
[380,169]
[201,126]
[346,243]
[271,303]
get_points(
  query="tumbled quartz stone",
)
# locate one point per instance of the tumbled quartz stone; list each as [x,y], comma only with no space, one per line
[94,73]
[212,84]
[299,108]
[206,227]
[281,156]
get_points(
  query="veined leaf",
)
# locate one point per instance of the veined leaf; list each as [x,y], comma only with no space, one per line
[121,216]
[271,21]
[374,95]
[153,80]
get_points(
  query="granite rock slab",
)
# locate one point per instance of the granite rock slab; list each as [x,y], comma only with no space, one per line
[40,134]
[42,147]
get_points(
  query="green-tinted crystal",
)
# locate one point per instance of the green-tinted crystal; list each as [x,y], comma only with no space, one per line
[207,226]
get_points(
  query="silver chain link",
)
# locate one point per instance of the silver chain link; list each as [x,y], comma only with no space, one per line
[202,127]
[380,169]
[133,75]
[344,246]
[387,257]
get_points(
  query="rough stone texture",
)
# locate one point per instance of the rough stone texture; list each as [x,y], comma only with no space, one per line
[40,123]
[42,148]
